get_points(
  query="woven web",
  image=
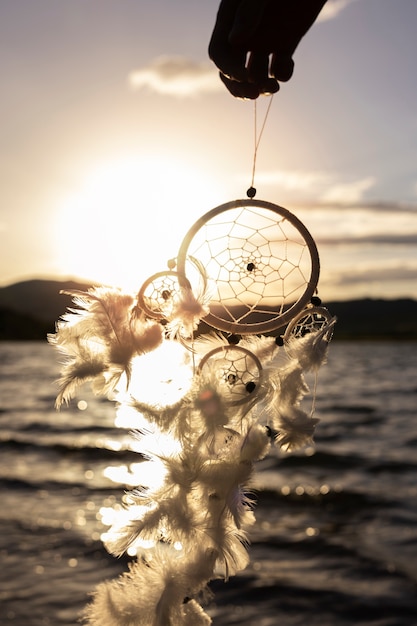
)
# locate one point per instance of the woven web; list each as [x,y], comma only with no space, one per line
[160,294]
[258,265]
[310,320]
[238,371]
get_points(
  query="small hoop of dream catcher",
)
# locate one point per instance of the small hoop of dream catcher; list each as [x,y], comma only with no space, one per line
[261,264]
[159,295]
[163,296]
[312,319]
[237,369]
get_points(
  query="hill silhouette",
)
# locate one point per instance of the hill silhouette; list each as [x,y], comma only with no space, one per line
[30,309]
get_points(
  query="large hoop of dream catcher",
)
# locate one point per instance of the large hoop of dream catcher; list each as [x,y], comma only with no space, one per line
[261,262]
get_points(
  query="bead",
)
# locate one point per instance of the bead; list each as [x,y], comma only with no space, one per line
[251,192]
[279,340]
[250,386]
[315,301]
[250,267]
[233,339]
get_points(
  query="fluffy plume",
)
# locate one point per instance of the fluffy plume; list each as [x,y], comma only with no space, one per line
[210,341]
[294,427]
[311,350]
[191,306]
[265,348]
[155,592]
[255,445]
[100,338]
[186,315]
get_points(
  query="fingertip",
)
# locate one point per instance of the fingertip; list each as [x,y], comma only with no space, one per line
[282,67]
[238,74]
[241,90]
[269,87]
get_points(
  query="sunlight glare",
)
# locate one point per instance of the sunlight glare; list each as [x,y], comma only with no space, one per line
[159,378]
[148,474]
[128,218]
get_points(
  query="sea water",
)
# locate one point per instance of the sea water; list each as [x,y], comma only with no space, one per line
[335,541]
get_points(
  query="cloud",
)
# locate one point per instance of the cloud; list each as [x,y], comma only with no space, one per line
[332,9]
[176,76]
[347,193]
[324,187]
[384,274]
[290,180]
[401,239]
[397,209]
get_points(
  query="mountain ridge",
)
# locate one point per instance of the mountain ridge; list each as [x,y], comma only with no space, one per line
[29,310]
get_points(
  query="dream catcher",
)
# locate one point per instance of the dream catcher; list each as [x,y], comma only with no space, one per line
[239,302]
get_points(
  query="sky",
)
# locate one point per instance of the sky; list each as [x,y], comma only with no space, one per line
[117,135]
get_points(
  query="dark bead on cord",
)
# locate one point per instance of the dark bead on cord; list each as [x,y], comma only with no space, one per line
[250,386]
[315,301]
[233,339]
[251,192]
[279,340]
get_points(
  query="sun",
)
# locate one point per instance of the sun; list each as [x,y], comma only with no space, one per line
[127,217]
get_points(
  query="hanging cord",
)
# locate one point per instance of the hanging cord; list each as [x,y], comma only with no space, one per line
[251,192]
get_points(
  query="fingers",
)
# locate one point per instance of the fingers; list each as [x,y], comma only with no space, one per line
[231,61]
[249,90]
[282,67]
[244,78]
[259,73]
[236,21]
[251,80]
[243,90]
[231,64]
[253,42]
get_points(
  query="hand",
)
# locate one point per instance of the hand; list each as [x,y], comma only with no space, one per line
[253,42]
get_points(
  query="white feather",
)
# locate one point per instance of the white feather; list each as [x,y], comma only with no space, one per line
[295,428]
[311,350]
[101,337]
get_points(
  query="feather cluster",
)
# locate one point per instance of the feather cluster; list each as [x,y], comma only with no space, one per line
[191,526]
[191,306]
[99,338]
[284,387]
